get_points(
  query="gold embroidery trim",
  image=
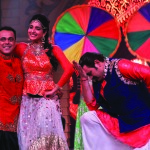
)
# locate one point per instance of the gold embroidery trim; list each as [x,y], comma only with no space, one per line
[125,80]
[9,126]
[11,78]
[18,78]
[51,142]
[120,9]
[14,99]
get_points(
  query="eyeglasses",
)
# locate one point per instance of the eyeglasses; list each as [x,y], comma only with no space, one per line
[10,39]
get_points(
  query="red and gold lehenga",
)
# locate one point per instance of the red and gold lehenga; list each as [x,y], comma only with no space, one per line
[40,126]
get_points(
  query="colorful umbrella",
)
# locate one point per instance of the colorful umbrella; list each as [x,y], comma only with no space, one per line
[138,33]
[86,28]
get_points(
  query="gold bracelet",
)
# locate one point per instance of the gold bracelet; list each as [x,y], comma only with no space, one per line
[56,85]
[84,80]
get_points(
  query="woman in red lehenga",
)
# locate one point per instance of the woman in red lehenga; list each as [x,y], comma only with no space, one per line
[40,126]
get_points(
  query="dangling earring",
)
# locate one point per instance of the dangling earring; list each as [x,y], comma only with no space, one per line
[29,39]
[43,39]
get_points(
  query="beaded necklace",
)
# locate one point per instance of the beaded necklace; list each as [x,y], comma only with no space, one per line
[37,49]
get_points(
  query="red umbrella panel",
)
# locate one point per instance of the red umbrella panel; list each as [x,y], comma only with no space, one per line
[138,33]
[86,28]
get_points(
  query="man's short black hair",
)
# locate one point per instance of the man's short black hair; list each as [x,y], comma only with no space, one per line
[88,59]
[8,28]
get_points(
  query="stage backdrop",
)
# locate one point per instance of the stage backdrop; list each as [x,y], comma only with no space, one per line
[17,13]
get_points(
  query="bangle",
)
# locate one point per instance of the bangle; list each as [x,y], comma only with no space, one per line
[57,86]
[84,80]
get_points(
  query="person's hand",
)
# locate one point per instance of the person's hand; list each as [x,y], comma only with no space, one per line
[82,73]
[50,94]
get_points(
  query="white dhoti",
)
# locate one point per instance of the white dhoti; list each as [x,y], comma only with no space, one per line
[97,137]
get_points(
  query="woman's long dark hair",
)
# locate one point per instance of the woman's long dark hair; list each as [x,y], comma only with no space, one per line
[45,25]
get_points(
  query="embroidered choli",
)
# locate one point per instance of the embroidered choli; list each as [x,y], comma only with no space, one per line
[11,85]
[38,69]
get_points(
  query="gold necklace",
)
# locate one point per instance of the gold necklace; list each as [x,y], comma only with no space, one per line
[37,48]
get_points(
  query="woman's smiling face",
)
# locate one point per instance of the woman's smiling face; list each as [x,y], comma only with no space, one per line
[35,31]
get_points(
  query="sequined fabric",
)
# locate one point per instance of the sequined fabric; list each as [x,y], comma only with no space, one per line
[39,118]
[57,52]
[109,65]
[9,126]
[40,126]
[38,72]
[51,142]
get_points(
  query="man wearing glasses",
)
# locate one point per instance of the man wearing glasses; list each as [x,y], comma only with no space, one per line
[11,83]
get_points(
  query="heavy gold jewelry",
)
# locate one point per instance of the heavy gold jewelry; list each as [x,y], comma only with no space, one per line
[43,39]
[36,20]
[37,48]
